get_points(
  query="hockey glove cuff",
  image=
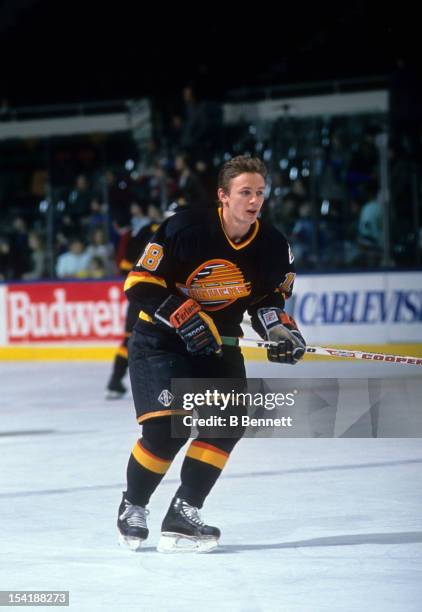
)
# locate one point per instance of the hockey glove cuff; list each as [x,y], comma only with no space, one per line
[276,325]
[195,328]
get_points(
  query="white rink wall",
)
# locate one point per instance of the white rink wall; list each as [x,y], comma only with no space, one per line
[353,308]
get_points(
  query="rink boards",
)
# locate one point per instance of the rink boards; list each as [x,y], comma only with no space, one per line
[84,320]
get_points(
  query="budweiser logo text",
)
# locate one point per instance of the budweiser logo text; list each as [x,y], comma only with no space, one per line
[76,312]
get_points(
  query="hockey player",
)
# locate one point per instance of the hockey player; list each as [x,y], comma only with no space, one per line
[194,281]
[141,233]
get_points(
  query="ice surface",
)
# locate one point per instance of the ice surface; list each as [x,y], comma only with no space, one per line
[309,525]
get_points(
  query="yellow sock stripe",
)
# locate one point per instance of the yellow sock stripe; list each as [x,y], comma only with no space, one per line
[149,461]
[208,454]
[122,351]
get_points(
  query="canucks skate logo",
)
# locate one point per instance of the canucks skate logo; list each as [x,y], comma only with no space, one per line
[165,398]
[216,284]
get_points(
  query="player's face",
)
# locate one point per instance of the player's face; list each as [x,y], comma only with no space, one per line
[245,198]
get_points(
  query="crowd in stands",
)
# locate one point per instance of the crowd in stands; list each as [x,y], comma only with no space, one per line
[324,194]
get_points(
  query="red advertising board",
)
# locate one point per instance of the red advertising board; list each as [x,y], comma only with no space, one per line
[65,312]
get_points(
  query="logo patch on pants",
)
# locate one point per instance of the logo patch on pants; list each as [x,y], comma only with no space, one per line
[165,398]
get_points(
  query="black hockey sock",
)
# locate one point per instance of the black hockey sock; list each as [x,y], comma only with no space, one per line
[151,457]
[203,464]
[145,471]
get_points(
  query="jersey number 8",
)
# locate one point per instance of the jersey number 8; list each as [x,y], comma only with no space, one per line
[152,256]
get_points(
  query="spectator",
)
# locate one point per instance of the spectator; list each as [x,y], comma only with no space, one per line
[284,213]
[97,216]
[202,128]
[370,227]
[207,175]
[96,268]
[154,213]
[38,258]
[6,260]
[138,218]
[351,223]
[190,185]
[19,247]
[79,198]
[99,247]
[75,262]
[363,164]
[174,133]
[66,228]
[306,233]
[119,196]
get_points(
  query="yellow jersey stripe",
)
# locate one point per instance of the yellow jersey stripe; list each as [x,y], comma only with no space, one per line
[125,265]
[134,278]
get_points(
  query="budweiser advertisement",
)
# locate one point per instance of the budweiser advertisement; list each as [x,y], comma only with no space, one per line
[62,312]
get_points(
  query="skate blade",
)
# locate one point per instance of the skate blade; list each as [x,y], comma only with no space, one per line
[179,543]
[114,395]
[130,542]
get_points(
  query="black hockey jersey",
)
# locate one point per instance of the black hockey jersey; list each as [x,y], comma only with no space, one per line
[135,245]
[191,255]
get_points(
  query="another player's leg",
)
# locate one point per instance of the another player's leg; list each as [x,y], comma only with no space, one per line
[115,387]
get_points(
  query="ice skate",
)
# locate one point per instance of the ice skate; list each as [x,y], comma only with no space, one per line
[183,530]
[115,390]
[132,525]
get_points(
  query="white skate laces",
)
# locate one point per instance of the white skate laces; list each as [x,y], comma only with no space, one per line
[184,531]
[132,525]
[135,516]
[192,514]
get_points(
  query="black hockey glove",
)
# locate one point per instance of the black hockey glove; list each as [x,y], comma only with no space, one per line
[197,329]
[276,325]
